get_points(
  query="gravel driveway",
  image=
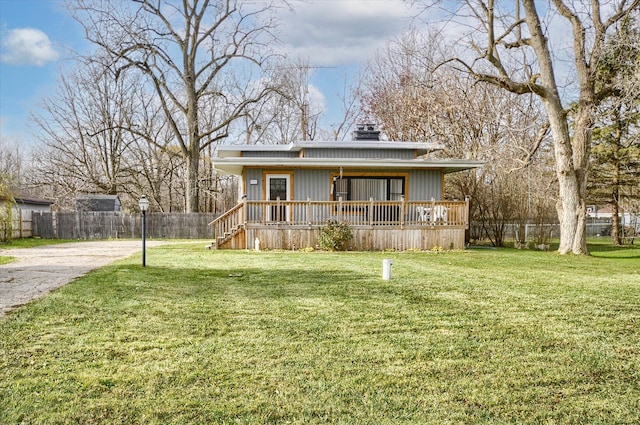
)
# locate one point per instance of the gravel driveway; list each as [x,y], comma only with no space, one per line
[40,270]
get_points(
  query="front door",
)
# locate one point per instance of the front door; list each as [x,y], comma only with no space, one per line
[278,189]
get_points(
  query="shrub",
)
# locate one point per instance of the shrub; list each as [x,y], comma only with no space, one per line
[335,236]
[6,222]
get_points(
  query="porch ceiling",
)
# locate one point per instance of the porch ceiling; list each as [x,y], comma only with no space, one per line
[235,165]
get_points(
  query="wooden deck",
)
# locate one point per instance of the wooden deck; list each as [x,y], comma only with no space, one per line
[376,225]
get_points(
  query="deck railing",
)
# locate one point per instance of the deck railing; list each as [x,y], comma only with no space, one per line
[357,213]
[309,214]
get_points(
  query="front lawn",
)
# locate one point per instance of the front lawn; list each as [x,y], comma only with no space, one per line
[482,336]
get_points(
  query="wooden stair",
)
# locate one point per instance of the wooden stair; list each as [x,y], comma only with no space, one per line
[229,228]
[228,236]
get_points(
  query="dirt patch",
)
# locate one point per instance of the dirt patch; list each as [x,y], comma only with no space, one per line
[37,271]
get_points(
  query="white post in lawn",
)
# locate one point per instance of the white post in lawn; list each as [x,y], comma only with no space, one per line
[386,269]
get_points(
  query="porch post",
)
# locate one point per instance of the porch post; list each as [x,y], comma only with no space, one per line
[466,212]
[340,209]
[244,214]
[432,216]
[371,211]
[309,211]
[402,208]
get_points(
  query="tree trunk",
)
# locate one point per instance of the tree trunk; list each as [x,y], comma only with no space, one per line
[581,150]
[615,209]
[570,207]
[192,198]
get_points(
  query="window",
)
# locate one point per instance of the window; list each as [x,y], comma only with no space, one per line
[365,188]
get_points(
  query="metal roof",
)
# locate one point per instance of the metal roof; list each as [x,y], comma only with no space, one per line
[29,200]
[235,164]
[225,151]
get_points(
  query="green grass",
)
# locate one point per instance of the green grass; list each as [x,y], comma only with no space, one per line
[483,336]
[5,259]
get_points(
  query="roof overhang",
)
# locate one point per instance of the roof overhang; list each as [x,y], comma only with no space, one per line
[29,200]
[225,151]
[235,164]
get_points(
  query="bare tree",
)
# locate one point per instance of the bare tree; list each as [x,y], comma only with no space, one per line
[83,143]
[156,163]
[11,165]
[351,108]
[517,55]
[198,55]
[283,117]
[289,113]
[397,91]
[475,121]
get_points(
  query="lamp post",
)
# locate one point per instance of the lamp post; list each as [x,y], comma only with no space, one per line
[143,203]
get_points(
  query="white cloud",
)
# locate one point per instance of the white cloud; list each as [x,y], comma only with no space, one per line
[27,46]
[338,32]
[317,100]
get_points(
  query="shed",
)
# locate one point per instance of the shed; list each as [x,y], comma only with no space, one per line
[98,203]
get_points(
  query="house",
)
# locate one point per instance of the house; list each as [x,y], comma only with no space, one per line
[390,193]
[16,221]
[23,202]
[98,203]
[600,215]
[30,203]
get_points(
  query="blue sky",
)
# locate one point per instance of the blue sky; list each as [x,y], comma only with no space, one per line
[38,36]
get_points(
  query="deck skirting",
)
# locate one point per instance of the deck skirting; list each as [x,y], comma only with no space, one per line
[365,238]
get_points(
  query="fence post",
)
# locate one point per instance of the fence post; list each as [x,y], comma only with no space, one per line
[20,224]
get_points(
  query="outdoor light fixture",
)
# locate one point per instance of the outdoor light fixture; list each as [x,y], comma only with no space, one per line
[143,203]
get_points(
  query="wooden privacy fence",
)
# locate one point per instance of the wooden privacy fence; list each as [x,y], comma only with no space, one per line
[113,225]
[20,226]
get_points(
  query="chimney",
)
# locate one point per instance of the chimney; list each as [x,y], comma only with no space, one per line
[366,132]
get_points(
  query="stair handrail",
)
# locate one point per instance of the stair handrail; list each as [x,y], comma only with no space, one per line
[229,220]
